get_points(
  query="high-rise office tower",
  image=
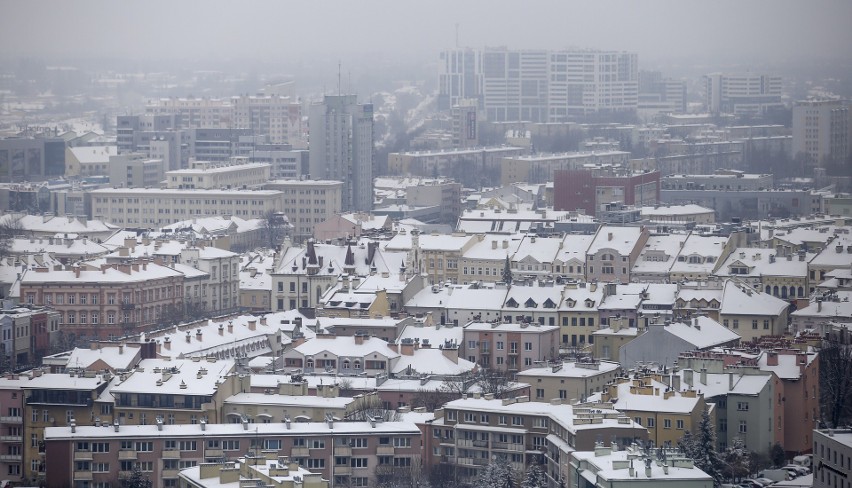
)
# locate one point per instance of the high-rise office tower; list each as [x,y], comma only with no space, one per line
[341,147]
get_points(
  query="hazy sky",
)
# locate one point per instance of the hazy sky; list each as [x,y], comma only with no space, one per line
[288,29]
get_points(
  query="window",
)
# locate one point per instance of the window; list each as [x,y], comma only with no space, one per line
[316,463]
[651,422]
[358,462]
[680,424]
[272,444]
[743,427]
[539,392]
[146,446]
[517,420]
[742,406]
[667,423]
[527,346]
[188,446]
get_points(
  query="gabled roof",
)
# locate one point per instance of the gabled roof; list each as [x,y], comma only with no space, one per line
[702,332]
[740,299]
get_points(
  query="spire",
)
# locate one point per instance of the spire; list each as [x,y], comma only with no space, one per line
[350,256]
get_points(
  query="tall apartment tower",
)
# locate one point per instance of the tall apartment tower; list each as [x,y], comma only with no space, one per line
[341,147]
[822,129]
[742,93]
[539,85]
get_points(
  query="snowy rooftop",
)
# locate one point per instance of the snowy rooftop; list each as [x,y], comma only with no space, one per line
[659,254]
[93,154]
[666,210]
[432,361]
[345,347]
[615,467]
[702,332]
[655,401]
[228,430]
[764,262]
[538,250]
[175,377]
[62,225]
[309,401]
[116,358]
[573,370]
[699,254]
[741,299]
[620,239]
[143,274]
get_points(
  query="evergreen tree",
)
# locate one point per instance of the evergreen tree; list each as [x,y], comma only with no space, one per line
[136,479]
[534,477]
[507,271]
[737,460]
[706,458]
[498,474]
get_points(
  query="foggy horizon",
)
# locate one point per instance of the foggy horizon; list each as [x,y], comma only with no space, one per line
[271,33]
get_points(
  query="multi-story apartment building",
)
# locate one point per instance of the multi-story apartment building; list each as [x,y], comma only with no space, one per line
[135,170]
[608,467]
[158,207]
[822,130]
[832,460]
[660,95]
[173,391]
[569,381]
[509,346]
[350,452]
[52,400]
[158,136]
[342,147]
[209,176]
[275,115]
[591,189]
[109,301]
[27,335]
[470,433]
[465,123]
[307,203]
[751,313]
[578,313]
[271,470]
[12,427]
[286,162]
[451,161]
[485,260]
[436,255]
[742,93]
[541,168]
[539,85]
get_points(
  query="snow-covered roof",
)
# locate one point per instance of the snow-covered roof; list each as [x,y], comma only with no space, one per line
[309,401]
[533,328]
[668,210]
[699,254]
[116,358]
[720,383]
[702,332]
[494,247]
[428,242]
[59,225]
[620,239]
[741,299]
[192,431]
[59,247]
[345,347]
[435,334]
[764,262]
[608,468]
[654,401]
[93,154]
[175,377]
[574,247]
[144,273]
[432,361]
[659,254]
[572,369]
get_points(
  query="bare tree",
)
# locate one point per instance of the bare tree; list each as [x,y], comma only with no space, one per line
[275,227]
[835,385]
[370,407]
[10,228]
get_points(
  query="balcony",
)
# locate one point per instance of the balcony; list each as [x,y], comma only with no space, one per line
[385,451]
[127,455]
[300,452]
[10,457]
[343,470]
[83,475]
[11,438]
[343,451]
[464,461]
[480,443]
[480,462]
[128,306]
[448,459]
[464,443]
[170,473]
[211,453]
[83,455]
[11,420]
[171,454]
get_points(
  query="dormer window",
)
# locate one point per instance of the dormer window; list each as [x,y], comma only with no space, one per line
[549,303]
[571,303]
[530,303]
[512,303]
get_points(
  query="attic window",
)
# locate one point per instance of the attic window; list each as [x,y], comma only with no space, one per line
[549,303]
[571,303]
[590,303]
[512,303]
[530,303]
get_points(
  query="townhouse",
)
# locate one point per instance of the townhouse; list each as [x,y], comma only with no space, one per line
[436,255]
[359,354]
[613,253]
[751,313]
